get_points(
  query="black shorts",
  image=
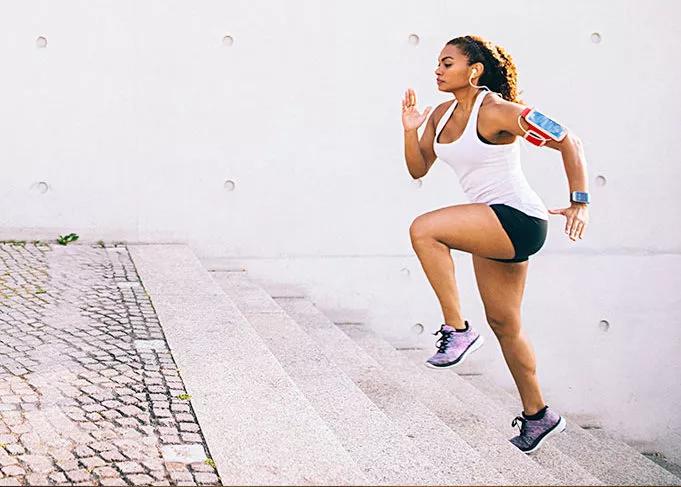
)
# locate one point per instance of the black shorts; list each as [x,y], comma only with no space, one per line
[526,232]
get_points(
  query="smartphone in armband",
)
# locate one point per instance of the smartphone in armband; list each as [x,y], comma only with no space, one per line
[542,128]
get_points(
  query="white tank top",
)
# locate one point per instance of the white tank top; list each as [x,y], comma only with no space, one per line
[488,173]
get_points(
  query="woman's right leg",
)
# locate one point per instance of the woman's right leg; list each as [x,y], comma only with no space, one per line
[501,286]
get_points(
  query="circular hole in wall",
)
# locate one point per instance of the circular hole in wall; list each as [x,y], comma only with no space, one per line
[41,42]
[417,329]
[601,181]
[414,39]
[227,41]
[604,325]
[405,272]
[229,185]
[41,187]
[596,38]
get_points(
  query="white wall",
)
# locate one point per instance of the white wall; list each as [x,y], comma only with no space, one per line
[136,114]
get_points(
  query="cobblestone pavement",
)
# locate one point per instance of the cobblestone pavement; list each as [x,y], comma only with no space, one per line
[88,387]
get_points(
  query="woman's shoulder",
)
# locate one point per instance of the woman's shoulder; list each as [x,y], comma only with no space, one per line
[494,101]
[494,106]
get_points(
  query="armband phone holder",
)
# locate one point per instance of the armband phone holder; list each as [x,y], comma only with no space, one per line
[541,128]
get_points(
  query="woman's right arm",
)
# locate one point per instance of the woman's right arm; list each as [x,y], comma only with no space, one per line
[418,154]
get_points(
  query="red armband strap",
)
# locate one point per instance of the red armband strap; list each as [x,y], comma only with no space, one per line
[534,135]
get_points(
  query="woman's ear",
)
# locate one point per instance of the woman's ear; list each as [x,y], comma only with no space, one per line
[477,69]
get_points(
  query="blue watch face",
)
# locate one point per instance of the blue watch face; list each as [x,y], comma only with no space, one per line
[580,197]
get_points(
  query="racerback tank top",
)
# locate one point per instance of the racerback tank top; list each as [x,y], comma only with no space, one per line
[488,173]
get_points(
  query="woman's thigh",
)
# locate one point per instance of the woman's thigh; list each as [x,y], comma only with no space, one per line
[501,287]
[472,228]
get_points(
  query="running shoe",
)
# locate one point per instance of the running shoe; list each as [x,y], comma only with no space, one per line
[533,432]
[454,346]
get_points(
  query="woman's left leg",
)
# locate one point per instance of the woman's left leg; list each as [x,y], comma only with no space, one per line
[470,228]
[501,286]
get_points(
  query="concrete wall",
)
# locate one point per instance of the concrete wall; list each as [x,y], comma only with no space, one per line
[267,135]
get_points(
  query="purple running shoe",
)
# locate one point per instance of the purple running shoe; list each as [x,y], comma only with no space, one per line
[454,346]
[533,432]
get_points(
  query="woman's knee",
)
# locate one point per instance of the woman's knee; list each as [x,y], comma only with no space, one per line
[504,325]
[419,230]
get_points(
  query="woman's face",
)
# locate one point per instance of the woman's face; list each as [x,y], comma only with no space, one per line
[452,70]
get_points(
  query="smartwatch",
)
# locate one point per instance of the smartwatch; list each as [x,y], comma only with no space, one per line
[579,197]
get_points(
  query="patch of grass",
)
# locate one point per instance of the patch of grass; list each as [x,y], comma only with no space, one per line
[40,291]
[100,243]
[184,397]
[209,461]
[65,239]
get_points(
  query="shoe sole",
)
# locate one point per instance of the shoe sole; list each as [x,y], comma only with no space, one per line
[560,427]
[472,348]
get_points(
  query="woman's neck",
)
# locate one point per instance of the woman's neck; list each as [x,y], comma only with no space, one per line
[465,97]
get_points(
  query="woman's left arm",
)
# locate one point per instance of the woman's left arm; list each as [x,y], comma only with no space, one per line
[572,152]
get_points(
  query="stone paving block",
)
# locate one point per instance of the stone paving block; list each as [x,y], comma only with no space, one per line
[10,481]
[177,476]
[130,467]
[15,449]
[68,465]
[189,427]
[13,471]
[41,464]
[79,366]
[37,479]
[190,437]
[102,446]
[206,478]
[158,474]
[201,467]
[140,479]
[113,481]
[83,451]
[92,462]
[105,472]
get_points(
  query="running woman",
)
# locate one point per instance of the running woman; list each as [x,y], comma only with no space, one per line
[477,133]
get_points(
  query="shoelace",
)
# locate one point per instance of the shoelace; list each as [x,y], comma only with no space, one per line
[443,341]
[523,425]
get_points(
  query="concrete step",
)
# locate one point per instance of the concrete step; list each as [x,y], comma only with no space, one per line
[663,462]
[258,426]
[609,461]
[460,463]
[564,468]
[475,429]
[658,476]
[382,452]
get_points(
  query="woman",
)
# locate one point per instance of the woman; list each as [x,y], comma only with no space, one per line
[477,134]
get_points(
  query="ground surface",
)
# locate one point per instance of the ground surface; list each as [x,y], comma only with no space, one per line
[89,392]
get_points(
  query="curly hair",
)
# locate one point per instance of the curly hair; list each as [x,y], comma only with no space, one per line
[500,73]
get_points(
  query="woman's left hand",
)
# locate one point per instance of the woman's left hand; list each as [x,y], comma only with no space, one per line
[577,219]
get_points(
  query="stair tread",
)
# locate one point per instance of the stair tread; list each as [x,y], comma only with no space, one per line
[465,465]
[258,426]
[369,436]
[617,462]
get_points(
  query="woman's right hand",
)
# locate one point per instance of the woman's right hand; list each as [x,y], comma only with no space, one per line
[411,118]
